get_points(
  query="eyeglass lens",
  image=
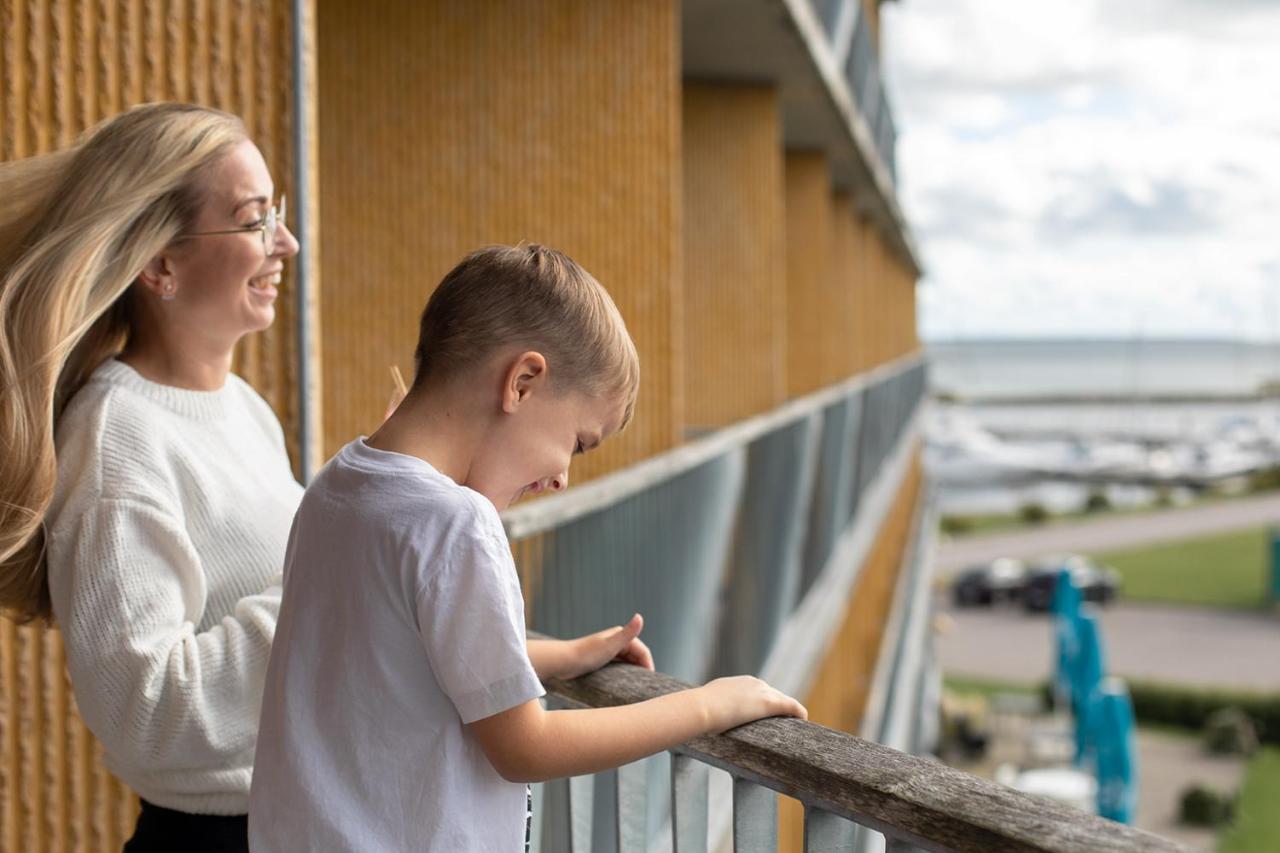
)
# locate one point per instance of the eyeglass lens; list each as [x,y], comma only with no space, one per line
[275,218]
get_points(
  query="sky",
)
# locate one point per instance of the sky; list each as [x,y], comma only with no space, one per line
[1081,168]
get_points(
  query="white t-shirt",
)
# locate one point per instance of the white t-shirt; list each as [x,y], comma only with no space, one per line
[402,621]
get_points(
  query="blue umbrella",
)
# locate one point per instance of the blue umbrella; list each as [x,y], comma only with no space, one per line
[1116,751]
[1086,679]
[1066,609]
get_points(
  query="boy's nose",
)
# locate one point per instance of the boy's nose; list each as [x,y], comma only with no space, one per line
[559,482]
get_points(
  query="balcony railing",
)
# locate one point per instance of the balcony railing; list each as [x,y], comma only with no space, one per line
[843,781]
[862,70]
[740,548]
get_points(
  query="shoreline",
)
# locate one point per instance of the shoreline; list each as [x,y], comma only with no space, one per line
[948,398]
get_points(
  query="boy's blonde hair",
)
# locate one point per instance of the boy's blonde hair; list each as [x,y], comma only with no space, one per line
[536,298]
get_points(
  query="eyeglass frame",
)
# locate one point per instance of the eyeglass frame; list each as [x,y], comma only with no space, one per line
[271,222]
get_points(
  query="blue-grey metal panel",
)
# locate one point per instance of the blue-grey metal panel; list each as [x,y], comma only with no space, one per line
[763,580]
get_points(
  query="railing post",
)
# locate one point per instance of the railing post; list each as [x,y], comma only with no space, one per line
[582,790]
[688,804]
[827,833]
[566,807]
[755,818]
[632,806]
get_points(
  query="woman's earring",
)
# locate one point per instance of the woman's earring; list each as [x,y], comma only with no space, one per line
[169,292]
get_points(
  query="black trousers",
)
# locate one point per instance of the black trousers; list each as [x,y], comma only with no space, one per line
[160,829]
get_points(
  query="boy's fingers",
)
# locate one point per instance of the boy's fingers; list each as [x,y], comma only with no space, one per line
[628,632]
[641,654]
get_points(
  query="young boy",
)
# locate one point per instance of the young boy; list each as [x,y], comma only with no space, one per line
[401,705]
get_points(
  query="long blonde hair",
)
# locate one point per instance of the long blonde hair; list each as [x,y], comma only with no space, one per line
[76,229]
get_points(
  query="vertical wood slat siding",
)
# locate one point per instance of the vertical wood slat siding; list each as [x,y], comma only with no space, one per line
[839,695]
[64,66]
[734,252]
[844,333]
[449,125]
[808,227]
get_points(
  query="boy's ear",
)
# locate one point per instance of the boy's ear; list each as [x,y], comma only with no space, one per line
[526,372]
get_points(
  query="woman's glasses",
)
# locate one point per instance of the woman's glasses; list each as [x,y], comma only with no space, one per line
[269,225]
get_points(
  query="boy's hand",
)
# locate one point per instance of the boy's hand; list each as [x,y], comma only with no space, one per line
[571,658]
[623,644]
[730,702]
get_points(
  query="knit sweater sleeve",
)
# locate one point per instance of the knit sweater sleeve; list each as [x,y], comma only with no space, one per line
[158,693]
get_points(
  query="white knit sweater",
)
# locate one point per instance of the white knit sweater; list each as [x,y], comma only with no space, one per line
[166,539]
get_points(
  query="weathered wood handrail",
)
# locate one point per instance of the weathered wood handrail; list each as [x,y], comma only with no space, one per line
[905,797]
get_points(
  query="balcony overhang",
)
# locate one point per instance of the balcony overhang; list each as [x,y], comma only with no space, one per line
[782,43]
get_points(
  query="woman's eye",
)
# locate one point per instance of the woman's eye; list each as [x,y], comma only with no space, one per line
[248,226]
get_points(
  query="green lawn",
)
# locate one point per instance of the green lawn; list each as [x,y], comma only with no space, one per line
[1257,824]
[1225,570]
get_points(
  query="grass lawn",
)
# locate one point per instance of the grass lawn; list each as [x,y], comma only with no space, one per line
[1223,570]
[988,687]
[1257,825]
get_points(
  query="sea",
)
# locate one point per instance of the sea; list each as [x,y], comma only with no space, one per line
[1100,392]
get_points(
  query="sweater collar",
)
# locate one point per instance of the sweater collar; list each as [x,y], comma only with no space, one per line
[198,405]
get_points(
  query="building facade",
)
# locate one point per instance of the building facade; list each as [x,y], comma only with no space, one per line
[724,167]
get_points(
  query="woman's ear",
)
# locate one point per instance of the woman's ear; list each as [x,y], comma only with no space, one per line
[158,277]
[525,373]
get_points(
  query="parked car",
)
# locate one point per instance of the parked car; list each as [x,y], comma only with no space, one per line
[1097,583]
[999,580]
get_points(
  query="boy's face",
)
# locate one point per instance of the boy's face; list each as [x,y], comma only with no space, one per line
[532,446]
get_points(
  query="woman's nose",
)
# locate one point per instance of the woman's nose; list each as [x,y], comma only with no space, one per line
[286,244]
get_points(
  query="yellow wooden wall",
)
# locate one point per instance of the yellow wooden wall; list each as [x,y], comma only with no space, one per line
[845,336]
[871,8]
[448,125]
[839,694]
[734,253]
[808,217]
[64,66]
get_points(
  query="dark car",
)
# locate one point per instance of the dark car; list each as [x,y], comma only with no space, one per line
[1097,583]
[999,580]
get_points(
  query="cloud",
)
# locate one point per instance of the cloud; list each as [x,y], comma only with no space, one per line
[1077,167]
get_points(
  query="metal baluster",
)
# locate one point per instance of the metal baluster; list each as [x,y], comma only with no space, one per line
[827,833]
[688,804]
[632,807]
[539,816]
[755,818]
[581,809]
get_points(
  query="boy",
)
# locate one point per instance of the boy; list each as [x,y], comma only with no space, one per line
[401,706]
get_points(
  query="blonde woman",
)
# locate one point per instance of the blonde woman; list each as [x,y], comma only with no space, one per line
[145,493]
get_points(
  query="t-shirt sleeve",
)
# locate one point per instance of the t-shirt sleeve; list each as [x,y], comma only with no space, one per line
[471,618]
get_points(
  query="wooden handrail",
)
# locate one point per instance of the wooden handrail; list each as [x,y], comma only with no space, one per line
[904,796]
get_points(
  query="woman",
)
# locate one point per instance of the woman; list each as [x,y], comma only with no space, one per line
[145,493]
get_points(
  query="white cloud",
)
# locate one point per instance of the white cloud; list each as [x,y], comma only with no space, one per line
[1074,167]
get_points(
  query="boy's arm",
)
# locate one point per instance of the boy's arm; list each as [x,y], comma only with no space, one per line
[530,744]
[567,659]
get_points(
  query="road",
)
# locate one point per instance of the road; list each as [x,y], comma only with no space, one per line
[1183,645]
[1112,532]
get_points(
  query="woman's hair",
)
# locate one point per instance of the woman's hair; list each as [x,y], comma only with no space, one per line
[76,229]
[536,298]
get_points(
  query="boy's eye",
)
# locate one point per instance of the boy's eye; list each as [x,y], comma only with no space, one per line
[577,448]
